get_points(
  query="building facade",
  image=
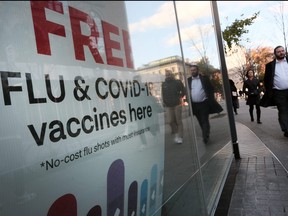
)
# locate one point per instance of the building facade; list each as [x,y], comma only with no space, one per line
[157,70]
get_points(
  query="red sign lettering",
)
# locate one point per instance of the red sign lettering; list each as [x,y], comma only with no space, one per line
[44,27]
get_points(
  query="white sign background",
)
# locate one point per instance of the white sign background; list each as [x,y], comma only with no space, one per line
[33,176]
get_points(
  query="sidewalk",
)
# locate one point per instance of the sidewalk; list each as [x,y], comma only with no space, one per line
[257,184]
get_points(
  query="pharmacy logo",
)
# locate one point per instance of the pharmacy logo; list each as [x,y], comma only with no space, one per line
[66,205]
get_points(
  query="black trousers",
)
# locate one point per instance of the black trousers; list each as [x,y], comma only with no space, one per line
[201,111]
[280,98]
[258,111]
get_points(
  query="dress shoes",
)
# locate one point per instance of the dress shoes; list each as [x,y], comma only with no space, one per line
[205,140]
[286,134]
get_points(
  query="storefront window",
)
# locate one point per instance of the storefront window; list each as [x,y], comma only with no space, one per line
[86,121]
[194,163]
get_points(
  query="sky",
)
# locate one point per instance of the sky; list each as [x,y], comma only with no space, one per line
[154,35]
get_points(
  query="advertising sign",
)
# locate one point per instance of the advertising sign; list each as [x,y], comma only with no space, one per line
[81,133]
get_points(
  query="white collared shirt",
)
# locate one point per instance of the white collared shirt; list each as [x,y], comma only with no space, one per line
[197,91]
[281,75]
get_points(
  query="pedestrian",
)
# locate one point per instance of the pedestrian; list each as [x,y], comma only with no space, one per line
[276,87]
[251,88]
[202,100]
[241,93]
[173,91]
[234,96]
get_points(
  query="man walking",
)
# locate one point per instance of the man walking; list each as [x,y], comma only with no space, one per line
[203,100]
[173,91]
[276,87]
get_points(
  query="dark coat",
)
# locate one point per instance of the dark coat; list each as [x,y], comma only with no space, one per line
[233,90]
[173,91]
[252,89]
[214,106]
[267,99]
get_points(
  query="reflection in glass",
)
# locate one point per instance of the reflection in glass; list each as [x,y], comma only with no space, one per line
[203,100]
[173,91]
[203,157]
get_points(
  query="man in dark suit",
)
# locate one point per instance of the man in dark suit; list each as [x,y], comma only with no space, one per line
[276,87]
[202,100]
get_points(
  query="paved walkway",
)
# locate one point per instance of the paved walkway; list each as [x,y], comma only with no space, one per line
[257,184]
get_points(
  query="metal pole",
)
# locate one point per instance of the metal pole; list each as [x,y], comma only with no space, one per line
[225,80]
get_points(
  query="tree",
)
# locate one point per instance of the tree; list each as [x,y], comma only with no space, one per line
[258,58]
[216,81]
[201,42]
[205,67]
[237,62]
[279,17]
[233,33]
[214,74]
